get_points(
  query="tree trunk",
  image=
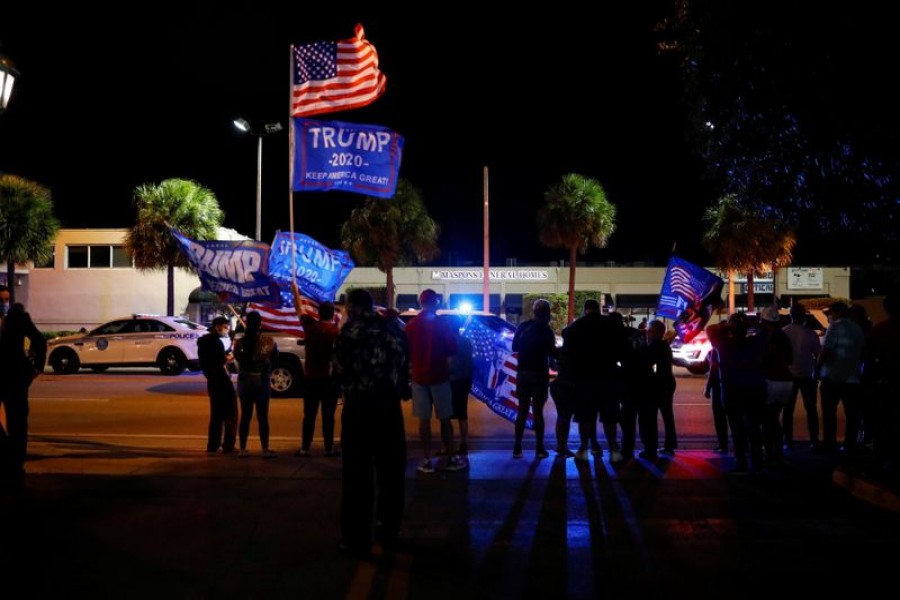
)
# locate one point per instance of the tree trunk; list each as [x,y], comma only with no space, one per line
[572,257]
[750,303]
[389,285]
[170,290]
[731,307]
[11,280]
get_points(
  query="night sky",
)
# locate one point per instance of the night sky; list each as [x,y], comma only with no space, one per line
[107,102]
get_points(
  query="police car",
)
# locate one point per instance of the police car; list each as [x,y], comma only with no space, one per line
[169,343]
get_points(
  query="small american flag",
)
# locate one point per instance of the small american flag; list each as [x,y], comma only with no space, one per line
[335,76]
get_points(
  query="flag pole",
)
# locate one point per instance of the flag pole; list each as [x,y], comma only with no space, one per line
[291,159]
[486,286]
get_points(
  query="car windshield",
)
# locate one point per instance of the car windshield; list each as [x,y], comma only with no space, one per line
[185,324]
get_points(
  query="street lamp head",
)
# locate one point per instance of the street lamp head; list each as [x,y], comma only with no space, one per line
[273,127]
[8,74]
[242,124]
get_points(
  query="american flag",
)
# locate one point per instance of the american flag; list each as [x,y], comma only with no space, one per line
[284,319]
[686,285]
[335,76]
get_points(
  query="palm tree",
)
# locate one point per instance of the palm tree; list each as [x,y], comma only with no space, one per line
[743,241]
[27,225]
[391,233]
[576,216]
[180,203]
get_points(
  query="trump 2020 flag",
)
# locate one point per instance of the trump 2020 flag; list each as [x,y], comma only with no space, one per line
[332,155]
[236,270]
[334,76]
[689,294]
[494,367]
[318,270]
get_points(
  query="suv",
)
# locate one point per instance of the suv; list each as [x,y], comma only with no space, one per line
[169,343]
[286,380]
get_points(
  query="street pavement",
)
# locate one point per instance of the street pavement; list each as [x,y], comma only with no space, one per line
[150,518]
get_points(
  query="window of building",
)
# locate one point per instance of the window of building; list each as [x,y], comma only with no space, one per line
[97,256]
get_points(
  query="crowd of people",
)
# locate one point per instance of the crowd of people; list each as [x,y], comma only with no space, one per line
[606,372]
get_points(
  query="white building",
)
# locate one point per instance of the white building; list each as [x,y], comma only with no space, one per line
[91,280]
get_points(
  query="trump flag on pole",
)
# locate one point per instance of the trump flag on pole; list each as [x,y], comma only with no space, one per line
[335,76]
[689,294]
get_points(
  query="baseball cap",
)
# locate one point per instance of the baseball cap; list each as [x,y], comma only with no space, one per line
[770,314]
[428,297]
[219,321]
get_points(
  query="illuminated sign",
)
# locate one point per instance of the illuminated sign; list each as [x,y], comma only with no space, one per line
[805,278]
[495,275]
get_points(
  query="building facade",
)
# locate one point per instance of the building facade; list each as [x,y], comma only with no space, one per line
[91,280]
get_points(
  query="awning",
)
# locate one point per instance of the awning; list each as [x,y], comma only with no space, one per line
[407,301]
[198,296]
[513,302]
[637,301]
[476,301]
[759,300]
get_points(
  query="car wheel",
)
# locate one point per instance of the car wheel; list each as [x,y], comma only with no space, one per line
[171,361]
[285,380]
[64,362]
[701,368]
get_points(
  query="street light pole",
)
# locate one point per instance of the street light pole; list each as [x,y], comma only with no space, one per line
[268,129]
[8,74]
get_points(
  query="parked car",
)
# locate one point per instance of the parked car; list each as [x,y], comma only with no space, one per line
[169,343]
[694,355]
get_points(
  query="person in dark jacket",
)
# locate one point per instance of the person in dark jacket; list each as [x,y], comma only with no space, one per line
[373,368]
[23,352]
[214,352]
[536,346]
[256,354]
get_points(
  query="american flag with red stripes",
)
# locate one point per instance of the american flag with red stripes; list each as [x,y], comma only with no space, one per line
[283,319]
[335,76]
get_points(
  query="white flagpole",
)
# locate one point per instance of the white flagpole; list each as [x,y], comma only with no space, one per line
[487,247]
[291,159]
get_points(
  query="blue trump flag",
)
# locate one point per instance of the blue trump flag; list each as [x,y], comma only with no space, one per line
[332,155]
[689,294]
[318,270]
[236,270]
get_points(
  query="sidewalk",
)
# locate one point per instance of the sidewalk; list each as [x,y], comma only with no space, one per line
[122,519]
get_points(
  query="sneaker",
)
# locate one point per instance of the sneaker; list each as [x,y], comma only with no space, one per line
[615,456]
[463,450]
[541,453]
[332,452]
[667,451]
[582,455]
[455,463]
[303,453]
[596,450]
[566,453]
[242,453]
[648,455]
[269,454]
[720,449]
[425,466]
[517,451]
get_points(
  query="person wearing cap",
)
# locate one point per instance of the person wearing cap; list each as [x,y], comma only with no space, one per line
[805,346]
[839,369]
[432,344]
[777,358]
[214,352]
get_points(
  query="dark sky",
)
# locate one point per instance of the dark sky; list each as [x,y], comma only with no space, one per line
[107,102]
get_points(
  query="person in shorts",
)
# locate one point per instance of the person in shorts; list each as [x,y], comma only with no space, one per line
[432,341]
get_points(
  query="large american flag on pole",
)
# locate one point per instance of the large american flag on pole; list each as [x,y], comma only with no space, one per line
[335,76]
